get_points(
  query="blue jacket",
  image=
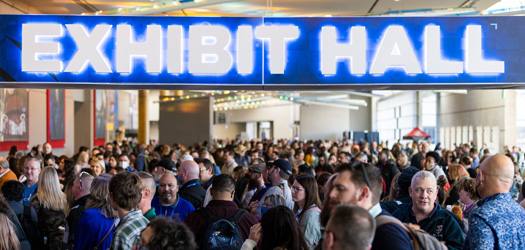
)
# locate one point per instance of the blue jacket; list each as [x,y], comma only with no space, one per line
[497,223]
[441,224]
[92,227]
[178,211]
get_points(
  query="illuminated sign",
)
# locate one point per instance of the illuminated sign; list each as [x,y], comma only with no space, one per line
[194,51]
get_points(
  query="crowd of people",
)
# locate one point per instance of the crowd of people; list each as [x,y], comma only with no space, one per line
[285,194]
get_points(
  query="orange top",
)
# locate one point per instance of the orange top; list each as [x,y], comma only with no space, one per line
[7,177]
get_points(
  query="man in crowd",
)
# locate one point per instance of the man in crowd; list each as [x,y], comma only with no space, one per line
[125,194]
[191,188]
[81,192]
[417,159]
[360,184]
[148,192]
[168,203]
[5,173]
[205,172]
[47,151]
[402,161]
[425,212]
[220,207]
[229,162]
[349,227]
[278,174]
[32,168]
[498,222]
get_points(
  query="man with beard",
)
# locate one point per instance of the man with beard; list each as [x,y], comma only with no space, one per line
[168,203]
[425,212]
[360,184]
[498,222]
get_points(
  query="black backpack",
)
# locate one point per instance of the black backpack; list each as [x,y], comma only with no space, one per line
[222,234]
[30,227]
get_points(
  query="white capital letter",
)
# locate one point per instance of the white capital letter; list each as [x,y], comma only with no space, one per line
[33,47]
[244,54]
[354,50]
[89,48]
[474,62]
[395,51]
[175,47]
[278,36]
[209,50]
[150,49]
[432,60]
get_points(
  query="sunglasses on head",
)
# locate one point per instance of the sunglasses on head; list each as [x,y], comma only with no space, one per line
[363,167]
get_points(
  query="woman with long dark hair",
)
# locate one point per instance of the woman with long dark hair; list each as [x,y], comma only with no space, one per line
[307,208]
[278,230]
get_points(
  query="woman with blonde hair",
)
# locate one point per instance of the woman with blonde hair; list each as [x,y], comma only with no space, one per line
[50,205]
[7,234]
[97,166]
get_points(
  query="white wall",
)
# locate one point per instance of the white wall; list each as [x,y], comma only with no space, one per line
[228,131]
[490,113]
[322,122]
[282,117]
[396,115]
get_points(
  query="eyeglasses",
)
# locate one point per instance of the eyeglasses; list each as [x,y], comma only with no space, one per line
[363,167]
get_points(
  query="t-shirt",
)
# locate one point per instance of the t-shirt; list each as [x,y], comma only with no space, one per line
[178,211]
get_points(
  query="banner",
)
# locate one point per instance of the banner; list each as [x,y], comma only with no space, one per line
[221,52]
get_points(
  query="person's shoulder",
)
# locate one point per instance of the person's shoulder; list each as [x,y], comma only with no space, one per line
[185,204]
[247,216]
[402,211]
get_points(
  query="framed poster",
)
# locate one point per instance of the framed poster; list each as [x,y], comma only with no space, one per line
[100,114]
[56,113]
[14,105]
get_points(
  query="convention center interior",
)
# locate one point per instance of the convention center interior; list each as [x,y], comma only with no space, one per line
[262,124]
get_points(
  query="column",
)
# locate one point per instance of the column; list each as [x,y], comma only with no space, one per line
[143,135]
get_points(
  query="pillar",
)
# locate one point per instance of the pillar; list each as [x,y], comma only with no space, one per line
[143,133]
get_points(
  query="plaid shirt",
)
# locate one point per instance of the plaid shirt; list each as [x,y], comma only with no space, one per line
[128,230]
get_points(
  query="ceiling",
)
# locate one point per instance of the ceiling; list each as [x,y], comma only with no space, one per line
[257,7]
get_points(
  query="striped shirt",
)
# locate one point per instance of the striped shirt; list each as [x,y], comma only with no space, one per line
[128,230]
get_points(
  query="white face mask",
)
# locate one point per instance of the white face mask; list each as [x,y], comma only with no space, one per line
[124,164]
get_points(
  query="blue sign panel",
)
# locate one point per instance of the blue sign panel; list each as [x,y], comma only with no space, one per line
[151,52]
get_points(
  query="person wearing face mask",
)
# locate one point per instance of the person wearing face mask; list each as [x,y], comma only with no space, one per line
[220,207]
[425,212]
[123,162]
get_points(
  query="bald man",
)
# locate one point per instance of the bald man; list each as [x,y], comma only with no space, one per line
[168,203]
[191,188]
[499,221]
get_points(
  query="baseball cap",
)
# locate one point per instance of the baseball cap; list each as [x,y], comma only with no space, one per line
[284,166]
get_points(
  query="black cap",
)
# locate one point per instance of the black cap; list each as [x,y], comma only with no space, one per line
[168,164]
[284,166]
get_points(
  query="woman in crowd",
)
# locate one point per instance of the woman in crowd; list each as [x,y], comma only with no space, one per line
[278,230]
[97,166]
[51,207]
[9,240]
[455,173]
[99,221]
[468,196]
[307,208]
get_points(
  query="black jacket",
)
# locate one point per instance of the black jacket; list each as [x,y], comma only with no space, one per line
[441,224]
[193,192]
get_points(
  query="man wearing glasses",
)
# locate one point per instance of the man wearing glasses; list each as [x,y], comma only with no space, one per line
[360,184]
[425,212]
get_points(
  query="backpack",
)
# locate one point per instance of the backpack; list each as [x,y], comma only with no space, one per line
[223,234]
[421,240]
[30,227]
